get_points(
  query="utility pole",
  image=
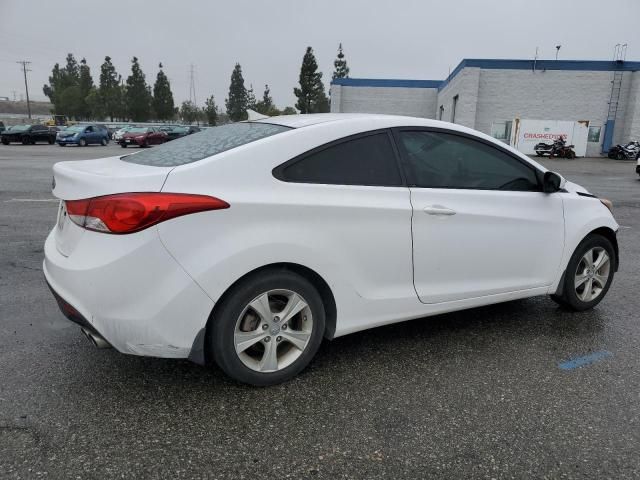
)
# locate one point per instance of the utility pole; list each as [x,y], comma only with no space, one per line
[192,84]
[558,50]
[24,64]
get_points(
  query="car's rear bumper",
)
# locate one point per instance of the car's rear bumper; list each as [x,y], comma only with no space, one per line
[130,141]
[133,294]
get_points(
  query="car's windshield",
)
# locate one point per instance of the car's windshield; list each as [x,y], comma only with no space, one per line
[198,146]
[138,130]
[20,128]
[75,128]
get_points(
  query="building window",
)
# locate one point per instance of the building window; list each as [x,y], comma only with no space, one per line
[441,114]
[502,131]
[594,134]
[453,109]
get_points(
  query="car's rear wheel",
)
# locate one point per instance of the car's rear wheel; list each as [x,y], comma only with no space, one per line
[268,328]
[26,140]
[589,274]
[52,141]
[104,142]
[123,145]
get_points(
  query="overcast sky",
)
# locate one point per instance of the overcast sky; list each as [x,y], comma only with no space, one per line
[413,39]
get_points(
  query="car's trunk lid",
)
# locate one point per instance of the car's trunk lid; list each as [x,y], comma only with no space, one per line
[92,178]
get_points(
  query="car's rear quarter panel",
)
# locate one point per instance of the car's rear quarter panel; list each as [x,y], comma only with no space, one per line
[357,238]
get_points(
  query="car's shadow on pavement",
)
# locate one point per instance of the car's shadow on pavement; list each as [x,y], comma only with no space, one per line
[531,333]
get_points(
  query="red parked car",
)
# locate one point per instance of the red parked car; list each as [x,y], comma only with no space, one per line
[143,137]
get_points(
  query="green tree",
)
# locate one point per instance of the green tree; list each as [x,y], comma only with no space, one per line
[71,102]
[266,106]
[94,104]
[85,83]
[210,111]
[340,65]
[251,98]
[188,112]
[60,80]
[55,86]
[109,90]
[138,96]
[236,103]
[162,97]
[311,96]
[289,111]
[72,70]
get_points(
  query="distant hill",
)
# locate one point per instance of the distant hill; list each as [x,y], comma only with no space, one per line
[37,108]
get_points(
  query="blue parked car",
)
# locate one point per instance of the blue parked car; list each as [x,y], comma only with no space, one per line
[82,135]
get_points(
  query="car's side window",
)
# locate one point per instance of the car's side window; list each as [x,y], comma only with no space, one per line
[365,160]
[444,160]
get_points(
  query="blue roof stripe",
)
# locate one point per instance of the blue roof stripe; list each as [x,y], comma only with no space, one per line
[495,64]
[384,82]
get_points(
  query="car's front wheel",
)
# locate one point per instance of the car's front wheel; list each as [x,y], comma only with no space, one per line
[268,328]
[589,274]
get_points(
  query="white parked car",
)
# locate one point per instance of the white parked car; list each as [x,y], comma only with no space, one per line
[247,244]
[118,134]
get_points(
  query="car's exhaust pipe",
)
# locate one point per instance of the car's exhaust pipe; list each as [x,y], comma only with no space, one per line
[96,339]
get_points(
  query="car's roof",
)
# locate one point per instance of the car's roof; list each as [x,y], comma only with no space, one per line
[305,120]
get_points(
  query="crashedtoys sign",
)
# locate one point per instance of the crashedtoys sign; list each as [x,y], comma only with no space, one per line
[528,133]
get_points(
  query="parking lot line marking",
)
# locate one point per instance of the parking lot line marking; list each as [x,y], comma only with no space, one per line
[585,360]
[13,200]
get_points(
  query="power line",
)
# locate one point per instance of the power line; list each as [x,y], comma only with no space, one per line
[24,64]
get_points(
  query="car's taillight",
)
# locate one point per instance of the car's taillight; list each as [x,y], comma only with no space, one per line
[132,212]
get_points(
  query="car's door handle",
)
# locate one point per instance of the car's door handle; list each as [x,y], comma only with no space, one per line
[438,210]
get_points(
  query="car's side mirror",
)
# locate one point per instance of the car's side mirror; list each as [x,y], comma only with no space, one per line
[552,182]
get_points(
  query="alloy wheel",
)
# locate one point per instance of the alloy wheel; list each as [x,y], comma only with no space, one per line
[592,274]
[273,330]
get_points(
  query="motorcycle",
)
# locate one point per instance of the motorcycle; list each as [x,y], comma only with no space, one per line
[562,150]
[543,149]
[630,151]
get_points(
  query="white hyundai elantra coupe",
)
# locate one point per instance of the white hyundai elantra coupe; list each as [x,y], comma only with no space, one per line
[247,244]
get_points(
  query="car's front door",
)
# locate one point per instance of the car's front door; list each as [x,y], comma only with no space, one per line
[154,137]
[481,224]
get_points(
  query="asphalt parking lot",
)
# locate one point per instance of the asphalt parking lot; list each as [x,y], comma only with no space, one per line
[517,390]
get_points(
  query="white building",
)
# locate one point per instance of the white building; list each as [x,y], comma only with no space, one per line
[497,96]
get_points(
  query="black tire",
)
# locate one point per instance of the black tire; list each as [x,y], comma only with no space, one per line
[104,142]
[569,297]
[26,140]
[123,145]
[82,142]
[145,145]
[5,141]
[620,156]
[220,343]
[62,144]
[52,141]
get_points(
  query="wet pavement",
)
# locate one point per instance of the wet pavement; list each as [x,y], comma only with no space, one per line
[517,390]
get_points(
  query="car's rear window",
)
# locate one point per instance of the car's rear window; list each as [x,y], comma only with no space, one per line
[204,144]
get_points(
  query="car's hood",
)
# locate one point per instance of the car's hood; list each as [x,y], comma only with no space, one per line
[133,135]
[574,187]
